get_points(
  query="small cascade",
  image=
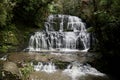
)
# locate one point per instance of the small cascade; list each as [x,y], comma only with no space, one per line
[4,58]
[63,33]
[48,67]
[76,70]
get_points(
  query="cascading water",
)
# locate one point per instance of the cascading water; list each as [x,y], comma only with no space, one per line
[49,67]
[76,70]
[62,32]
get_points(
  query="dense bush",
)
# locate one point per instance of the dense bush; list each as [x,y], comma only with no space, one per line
[18,18]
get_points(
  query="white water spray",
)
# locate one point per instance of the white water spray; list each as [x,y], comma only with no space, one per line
[76,70]
[62,32]
[48,68]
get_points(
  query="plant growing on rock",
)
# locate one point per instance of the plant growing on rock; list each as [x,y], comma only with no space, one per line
[26,71]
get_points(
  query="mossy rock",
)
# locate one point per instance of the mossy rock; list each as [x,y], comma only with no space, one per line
[10,71]
[11,67]
[8,41]
[61,64]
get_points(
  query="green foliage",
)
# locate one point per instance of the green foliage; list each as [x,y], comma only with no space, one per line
[8,37]
[71,7]
[32,12]
[3,49]
[55,7]
[103,19]
[26,70]
[3,15]
[6,15]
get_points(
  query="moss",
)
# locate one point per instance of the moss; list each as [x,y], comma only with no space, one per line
[3,49]
[8,41]
[90,29]
[9,37]
[61,64]
[15,37]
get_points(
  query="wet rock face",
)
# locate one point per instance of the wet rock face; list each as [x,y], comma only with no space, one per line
[19,57]
[11,67]
[61,61]
[46,76]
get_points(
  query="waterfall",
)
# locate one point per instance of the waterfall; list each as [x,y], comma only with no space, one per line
[63,33]
[48,67]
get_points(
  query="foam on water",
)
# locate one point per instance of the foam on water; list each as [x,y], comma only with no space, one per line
[76,70]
